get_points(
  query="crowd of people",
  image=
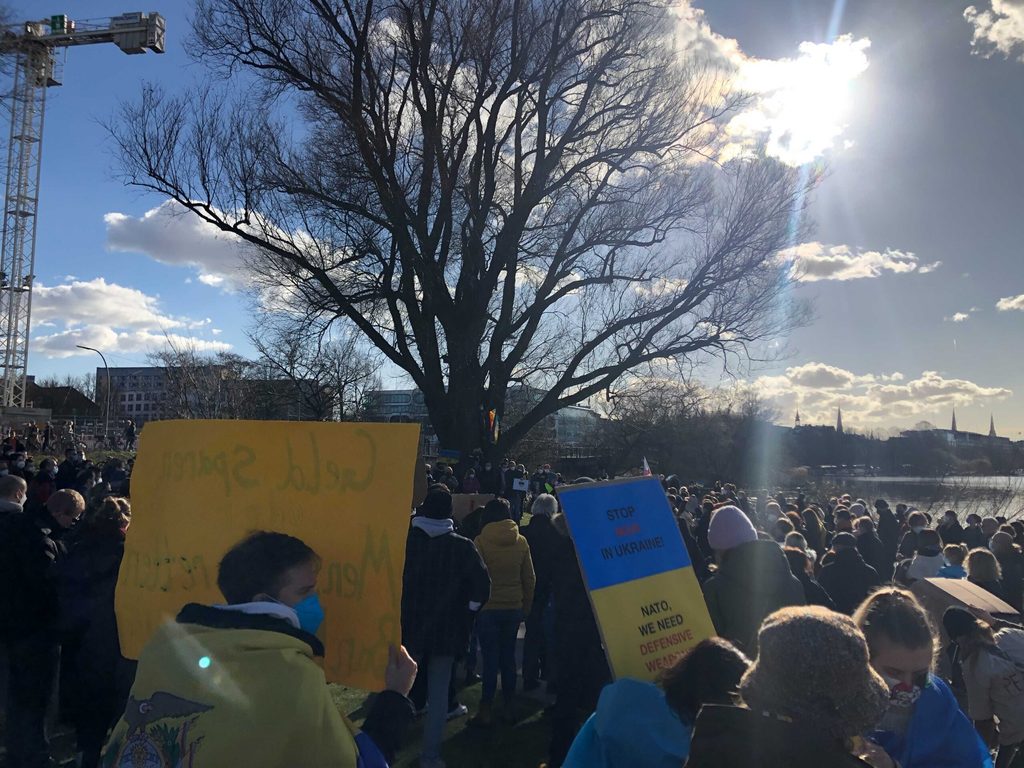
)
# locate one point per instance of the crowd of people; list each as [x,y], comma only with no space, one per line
[823,654]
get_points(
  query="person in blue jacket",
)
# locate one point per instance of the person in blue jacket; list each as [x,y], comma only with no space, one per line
[641,725]
[923,726]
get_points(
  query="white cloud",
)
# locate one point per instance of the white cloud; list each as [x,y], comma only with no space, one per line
[811,262]
[818,389]
[111,317]
[998,28]
[801,103]
[1011,302]
[171,235]
[959,317]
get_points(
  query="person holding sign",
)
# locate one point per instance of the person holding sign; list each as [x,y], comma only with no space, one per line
[238,684]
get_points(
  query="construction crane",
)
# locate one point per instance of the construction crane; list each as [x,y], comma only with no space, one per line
[34,46]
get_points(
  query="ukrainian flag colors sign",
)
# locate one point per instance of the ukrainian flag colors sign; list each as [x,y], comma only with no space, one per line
[648,603]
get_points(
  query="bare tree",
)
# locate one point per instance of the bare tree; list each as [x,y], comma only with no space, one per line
[494,192]
[330,375]
[199,386]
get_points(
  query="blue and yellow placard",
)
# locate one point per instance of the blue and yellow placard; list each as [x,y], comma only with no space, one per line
[648,603]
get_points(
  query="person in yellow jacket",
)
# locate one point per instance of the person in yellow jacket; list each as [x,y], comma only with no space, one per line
[237,684]
[506,554]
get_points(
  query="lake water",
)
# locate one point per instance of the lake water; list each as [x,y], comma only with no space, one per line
[983,495]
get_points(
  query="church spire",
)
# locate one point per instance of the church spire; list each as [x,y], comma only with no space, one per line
[992,426]
[954,420]
[839,420]
[798,418]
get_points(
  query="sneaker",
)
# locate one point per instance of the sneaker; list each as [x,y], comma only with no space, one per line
[459,710]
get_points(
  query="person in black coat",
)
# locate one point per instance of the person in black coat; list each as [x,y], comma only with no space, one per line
[950,530]
[30,552]
[801,566]
[544,541]
[581,668]
[848,579]
[888,530]
[444,584]
[99,678]
[67,472]
[491,479]
[872,549]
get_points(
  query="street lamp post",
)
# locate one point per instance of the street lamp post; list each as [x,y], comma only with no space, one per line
[106,410]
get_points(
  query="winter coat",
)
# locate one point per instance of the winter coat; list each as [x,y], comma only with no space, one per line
[752,581]
[1012,566]
[490,480]
[508,560]
[261,701]
[872,550]
[736,737]
[952,572]
[889,533]
[974,537]
[926,565]
[848,580]
[31,548]
[544,541]
[814,592]
[444,583]
[633,727]
[951,533]
[939,735]
[470,484]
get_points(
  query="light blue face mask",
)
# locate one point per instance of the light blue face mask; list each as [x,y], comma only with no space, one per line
[310,613]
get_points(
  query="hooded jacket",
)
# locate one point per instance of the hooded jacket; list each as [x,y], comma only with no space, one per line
[848,580]
[736,737]
[752,581]
[926,565]
[507,555]
[939,734]
[443,583]
[633,727]
[220,688]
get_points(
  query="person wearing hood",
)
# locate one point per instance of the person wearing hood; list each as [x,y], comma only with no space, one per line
[805,702]
[240,684]
[753,578]
[922,726]
[642,725]
[847,578]
[950,530]
[444,585]
[13,494]
[507,556]
[544,540]
[1011,564]
[32,549]
[926,563]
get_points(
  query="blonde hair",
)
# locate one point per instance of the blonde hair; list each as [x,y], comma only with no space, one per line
[982,566]
[955,553]
[895,615]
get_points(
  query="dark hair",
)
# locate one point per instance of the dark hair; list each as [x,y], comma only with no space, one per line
[257,564]
[494,511]
[709,673]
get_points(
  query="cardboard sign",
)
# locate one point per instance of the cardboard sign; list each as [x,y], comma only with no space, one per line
[646,598]
[345,489]
[937,594]
[520,484]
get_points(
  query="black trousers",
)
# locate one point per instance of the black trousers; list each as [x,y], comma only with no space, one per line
[32,671]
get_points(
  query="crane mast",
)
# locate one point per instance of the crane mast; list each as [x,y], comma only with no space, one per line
[33,46]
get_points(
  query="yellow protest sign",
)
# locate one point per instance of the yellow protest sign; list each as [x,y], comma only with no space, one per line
[345,489]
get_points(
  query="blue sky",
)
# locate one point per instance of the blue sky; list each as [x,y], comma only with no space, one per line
[915,107]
